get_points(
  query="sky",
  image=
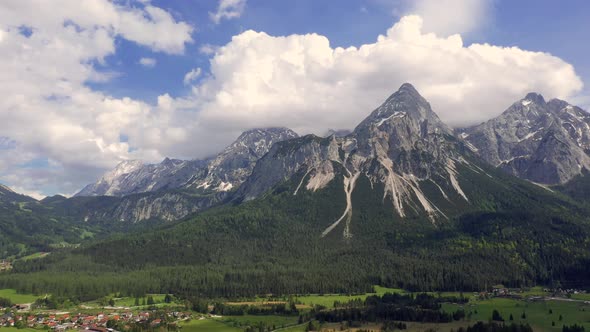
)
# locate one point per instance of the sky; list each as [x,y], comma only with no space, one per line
[88,84]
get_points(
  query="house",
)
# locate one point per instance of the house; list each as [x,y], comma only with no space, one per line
[22,306]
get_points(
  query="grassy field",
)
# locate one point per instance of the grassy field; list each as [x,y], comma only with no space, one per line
[17,298]
[328,300]
[539,314]
[207,325]
[130,301]
[14,329]
[296,328]
[248,320]
[411,327]
[35,256]
[534,291]
[583,297]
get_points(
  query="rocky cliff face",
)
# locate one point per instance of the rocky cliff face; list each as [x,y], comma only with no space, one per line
[230,168]
[174,189]
[399,147]
[166,205]
[132,177]
[402,148]
[545,142]
[226,171]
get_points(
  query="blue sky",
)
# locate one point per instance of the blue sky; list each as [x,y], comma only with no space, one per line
[96,85]
[558,27]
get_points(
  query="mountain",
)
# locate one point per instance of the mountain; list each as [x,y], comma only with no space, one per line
[337,133]
[402,148]
[9,196]
[28,226]
[399,202]
[222,173]
[133,176]
[156,206]
[230,168]
[172,189]
[544,142]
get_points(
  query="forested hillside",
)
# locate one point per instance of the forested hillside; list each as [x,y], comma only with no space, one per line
[514,233]
[29,226]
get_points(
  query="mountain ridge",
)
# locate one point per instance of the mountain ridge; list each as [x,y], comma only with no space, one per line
[544,142]
[133,176]
[399,202]
[400,145]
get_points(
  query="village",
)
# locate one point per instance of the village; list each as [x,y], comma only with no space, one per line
[521,294]
[158,315]
[61,321]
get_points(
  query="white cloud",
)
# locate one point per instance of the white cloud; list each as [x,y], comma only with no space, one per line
[191,76]
[446,17]
[148,62]
[228,9]
[208,49]
[299,81]
[49,113]
[146,24]
[31,193]
[302,82]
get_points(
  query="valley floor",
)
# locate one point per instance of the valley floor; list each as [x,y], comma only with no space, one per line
[540,308]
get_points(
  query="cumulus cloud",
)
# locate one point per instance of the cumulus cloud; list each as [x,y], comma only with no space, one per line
[228,9]
[302,82]
[148,62]
[446,17]
[191,76]
[31,193]
[255,80]
[49,113]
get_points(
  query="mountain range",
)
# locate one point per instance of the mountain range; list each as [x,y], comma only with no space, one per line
[217,174]
[403,200]
[544,142]
[402,145]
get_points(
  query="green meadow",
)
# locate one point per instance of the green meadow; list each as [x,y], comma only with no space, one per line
[14,329]
[17,298]
[540,315]
[328,300]
[207,325]
[277,321]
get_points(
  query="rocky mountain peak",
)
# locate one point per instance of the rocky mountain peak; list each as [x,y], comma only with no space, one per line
[405,118]
[534,97]
[122,168]
[557,104]
[409,89]
[222,173]
[234,164]
[398,148]
[544,142]
[408,99]
[259,140]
